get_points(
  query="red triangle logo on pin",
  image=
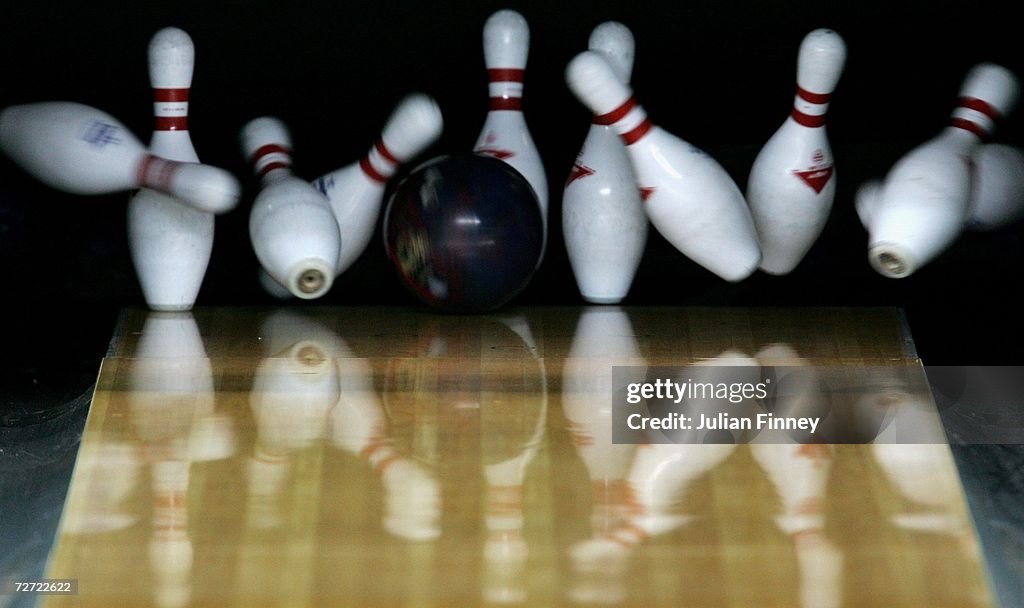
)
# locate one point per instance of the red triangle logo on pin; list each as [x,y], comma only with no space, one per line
[815,178]
[645,193]
[496,153]
[579,171]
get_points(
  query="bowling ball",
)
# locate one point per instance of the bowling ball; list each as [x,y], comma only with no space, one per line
[465,232]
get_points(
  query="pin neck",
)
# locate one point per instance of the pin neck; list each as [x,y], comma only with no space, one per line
[505,87]
[170,109]
[629,120]
[272,162]
[809,108]
[976,116]
[156,173]
[380,163]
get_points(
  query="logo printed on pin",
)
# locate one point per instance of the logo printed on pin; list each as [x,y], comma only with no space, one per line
[579,171]
[99,134]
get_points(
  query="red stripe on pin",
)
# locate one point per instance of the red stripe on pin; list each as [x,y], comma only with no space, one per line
[979,105]
[810,97]
[171,123]
[617,114]
[383,149]
[505,75]
[274,165]
[808,120]
[270,149]
[505,103]
[966,125]
[164,95]
[635,134]
[370,172]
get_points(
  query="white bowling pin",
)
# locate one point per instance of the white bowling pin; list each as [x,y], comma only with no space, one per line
[170,242]
[603,219]
[792,182]
[82,150]
[293,230]
[505,135]
[356,191]
[998,196]
[924,200]
[688,196]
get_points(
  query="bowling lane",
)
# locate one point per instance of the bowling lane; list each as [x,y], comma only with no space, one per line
[390,457]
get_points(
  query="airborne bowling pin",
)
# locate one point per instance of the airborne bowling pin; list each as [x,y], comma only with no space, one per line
[292,228]
[688,196]
[505,135]
[792,182]
[603,218]
[356,191]
[924,200]
[170,242]
[82,150]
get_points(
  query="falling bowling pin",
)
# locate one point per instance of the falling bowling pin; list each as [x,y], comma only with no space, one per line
[997,197]
[356,191]
[688,196]
[505,135]
[82,150]
[792,182]
[603,219]
[170,241]
[924,200]
[293,230]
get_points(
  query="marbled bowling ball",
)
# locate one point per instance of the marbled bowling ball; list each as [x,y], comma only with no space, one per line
[464,232]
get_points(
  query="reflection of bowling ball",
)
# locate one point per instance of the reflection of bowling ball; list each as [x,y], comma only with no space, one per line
[464,232]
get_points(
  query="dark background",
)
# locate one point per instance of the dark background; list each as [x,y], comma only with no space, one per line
[717,73]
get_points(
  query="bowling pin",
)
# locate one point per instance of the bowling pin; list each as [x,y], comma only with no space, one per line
[792,182]
[603,219]
[924,199]
[505,135]
[688,196]
[998,196]
[82,150]
[293,230]
[170,242]
[356,191]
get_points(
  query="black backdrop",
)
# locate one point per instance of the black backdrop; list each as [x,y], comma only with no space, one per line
[718,73]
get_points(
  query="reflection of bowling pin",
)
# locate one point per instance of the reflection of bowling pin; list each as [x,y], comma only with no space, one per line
[293,230]
[356,191]
[998,196]
[505,135]
[170,242]
[603,338]
[602,216]
[792,182]
[82,150]
[924,199]
[921,474]
[688,196]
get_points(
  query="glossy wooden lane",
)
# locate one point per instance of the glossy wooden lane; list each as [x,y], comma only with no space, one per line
[386,457]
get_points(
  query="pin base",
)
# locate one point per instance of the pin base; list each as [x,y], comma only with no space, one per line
[891,261]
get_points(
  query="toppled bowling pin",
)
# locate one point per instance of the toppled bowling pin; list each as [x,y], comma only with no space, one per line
[293,230]
[356,191]
[924,200]
[688,196]
[82,150]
